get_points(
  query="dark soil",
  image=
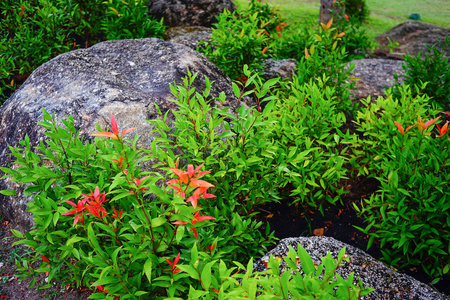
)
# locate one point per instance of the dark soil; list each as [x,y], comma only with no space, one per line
[11,287]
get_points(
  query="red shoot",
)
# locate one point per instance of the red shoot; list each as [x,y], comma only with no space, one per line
[443,130]
[173,264]
[117,216]
[422,126]
[115,134]
[401,129]
[197,218]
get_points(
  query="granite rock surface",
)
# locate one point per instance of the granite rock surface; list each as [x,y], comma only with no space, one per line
[189,12]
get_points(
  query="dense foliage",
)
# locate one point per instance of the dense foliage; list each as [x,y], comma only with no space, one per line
[357,9]
[431,72]
[249,35]
[185,228]
[33,32]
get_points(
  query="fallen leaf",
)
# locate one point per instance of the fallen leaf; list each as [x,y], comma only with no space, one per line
[318,232]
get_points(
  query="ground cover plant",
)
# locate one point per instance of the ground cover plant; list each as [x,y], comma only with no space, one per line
[99,233]
[412,165]
[189,227]
[133,246]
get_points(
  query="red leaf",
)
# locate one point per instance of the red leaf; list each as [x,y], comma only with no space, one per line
[179,223]
[176,260]
[127,130]
[204,218]
[105,134]
[198,168]
[190,172]
[44,258]
[114,127]
[200,183]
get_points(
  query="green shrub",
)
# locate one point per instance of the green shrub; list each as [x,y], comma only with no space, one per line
[409,215]
[133,238]
[236,41]
[431,68]
[111,238]
[304,129]
[374,120]
[317,282]
[267,15]
[292,40]
[357,10]
[85,19]
[32,32]
[259,153]
[355,40]
[324,64]
[349,16]
[130,21]
[321,59]
[238,150]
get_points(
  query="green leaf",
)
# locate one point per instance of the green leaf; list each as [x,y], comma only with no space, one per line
[93,239]
[305,259]
[148,269]
[190,270]
[32,283]
[436,280]
[17,233]
[446,269]
[206,275]
[106,280]
[8,192]
[75,239]
[156,222]
[236,90]
[120,196]
[114,255]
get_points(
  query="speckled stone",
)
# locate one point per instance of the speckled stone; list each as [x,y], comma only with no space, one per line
[414,37]
[189,12]
[387,283]
[189,36]
[373,76]
[283,68]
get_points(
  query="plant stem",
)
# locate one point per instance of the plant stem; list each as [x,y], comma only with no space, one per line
[417,156]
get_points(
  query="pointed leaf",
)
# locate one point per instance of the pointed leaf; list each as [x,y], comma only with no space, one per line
[127,130]
[305,259]
[114,127]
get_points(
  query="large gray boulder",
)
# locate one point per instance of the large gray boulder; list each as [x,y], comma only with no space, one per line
[190,36]
[374,75]
[387,283]
[414,36]
[124,77]
[189,12]
[283,68]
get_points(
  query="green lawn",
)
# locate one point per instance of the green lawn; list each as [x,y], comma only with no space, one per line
[384,14]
